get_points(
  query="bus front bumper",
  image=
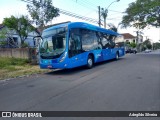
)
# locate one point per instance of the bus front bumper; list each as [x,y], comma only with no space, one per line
[53,66]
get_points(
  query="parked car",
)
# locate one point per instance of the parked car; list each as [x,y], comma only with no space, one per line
[147,51]
[131,51]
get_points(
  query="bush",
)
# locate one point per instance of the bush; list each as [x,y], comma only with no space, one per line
[5,62]
[25,45]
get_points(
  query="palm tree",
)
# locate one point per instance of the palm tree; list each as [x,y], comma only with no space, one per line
[104,14]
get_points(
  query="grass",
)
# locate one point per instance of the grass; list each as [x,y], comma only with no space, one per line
[14,67]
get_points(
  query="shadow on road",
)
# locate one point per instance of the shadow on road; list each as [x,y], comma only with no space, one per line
[67,71]
[80,69]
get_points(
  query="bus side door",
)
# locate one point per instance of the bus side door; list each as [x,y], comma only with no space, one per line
[107,53]
[75,50]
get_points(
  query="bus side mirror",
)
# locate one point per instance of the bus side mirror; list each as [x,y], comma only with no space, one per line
[37,40]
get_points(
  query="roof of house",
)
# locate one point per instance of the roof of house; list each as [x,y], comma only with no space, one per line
[128,36]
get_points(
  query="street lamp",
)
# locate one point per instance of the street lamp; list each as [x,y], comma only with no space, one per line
[112,3]
[104,12]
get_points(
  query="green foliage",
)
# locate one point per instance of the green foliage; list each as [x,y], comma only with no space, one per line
[133,45]
[3,37]
[24,45]
[130,45]
[141,13]
[42,11]
[156,45]
[3,43]
[3,33]
[5,62]
[147,44]
[127,43]
[20,25]
[140,47]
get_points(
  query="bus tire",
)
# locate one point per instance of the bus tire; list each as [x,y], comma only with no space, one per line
[90,62]
[117,56]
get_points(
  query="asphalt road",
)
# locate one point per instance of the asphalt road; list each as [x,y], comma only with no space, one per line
[130,84]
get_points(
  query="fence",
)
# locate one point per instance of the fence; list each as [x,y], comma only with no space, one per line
[26,53]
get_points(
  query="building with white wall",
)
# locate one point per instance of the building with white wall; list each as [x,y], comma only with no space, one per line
[13,39]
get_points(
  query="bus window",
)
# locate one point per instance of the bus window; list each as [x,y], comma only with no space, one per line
[75,46]
[111,40]
[99,40]
[103,40]
[88,37]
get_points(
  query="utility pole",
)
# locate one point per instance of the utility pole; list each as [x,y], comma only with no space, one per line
[104,12]
[99,16]
[137,40]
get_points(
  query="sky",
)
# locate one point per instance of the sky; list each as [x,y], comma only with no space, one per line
[88,8]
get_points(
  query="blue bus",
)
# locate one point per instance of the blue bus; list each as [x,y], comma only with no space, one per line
[75,44]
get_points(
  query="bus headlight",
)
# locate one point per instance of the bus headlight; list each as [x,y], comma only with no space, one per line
[63,57]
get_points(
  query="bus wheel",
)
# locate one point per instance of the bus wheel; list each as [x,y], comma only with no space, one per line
[117,56]
[90,62]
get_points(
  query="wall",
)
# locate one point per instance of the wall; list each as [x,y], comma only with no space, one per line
[26,53]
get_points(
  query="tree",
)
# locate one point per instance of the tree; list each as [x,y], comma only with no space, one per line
[141,13]
[112,27]
[156,45]
[20,25]
[147,44]
[132,45]
[104,13]
[6,38]
[140,47]
[42,12]
[2,34]
[3,41]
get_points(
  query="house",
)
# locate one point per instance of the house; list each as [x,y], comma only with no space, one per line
[129,38]
[13,39]
[125,38]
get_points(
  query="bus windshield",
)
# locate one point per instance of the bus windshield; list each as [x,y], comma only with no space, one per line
[53,44]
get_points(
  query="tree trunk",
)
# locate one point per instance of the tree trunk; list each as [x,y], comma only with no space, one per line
[104,22]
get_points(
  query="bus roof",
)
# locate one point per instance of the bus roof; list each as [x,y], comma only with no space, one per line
[82,25]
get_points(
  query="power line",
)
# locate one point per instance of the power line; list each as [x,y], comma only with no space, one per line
[27,1]
[84,5]
[78,16]
[89,3]
[115,11]
[78,3]
[71,14]
[93,5]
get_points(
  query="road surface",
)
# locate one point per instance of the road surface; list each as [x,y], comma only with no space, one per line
[130,84]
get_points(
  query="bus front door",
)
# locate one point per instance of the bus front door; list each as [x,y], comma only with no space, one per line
[76,60]
[75,50]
